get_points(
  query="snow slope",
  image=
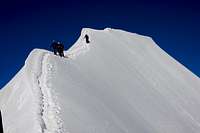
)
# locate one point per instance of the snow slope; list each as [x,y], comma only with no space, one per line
[119,83]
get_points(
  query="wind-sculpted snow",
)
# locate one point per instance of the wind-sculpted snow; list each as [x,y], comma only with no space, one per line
[119,83]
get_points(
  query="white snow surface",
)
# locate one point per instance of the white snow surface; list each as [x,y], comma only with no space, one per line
[121,82]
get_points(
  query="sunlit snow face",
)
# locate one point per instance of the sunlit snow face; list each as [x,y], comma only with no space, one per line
[120,82]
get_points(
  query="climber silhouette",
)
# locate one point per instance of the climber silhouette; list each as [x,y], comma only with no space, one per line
[87,38]
[58,48]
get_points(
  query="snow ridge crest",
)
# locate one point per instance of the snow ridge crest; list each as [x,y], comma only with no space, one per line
[47,107]
[50,107]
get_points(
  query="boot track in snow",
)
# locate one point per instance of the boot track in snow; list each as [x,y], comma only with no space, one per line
[49,108]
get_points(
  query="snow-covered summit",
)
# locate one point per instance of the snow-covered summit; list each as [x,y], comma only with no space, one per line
[121,82]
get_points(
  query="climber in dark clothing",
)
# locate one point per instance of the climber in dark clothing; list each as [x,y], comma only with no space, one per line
[87,38]
[53,45]
[58,48]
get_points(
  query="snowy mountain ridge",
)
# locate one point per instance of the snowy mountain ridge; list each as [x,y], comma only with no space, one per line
[119,83]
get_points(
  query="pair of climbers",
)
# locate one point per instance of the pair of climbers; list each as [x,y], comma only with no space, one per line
[58,47]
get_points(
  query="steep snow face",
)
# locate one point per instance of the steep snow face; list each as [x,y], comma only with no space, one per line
[27,101]
[119,83]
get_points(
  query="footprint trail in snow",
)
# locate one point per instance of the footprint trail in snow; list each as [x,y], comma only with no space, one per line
[50,109]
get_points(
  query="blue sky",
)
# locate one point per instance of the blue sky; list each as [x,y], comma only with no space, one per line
[27,24]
